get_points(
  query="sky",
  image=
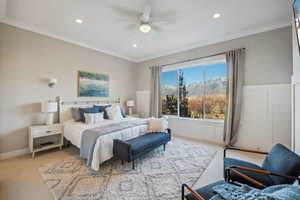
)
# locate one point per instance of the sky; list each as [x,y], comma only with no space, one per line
[195,74]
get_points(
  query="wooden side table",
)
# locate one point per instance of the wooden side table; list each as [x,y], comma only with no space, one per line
[45,137]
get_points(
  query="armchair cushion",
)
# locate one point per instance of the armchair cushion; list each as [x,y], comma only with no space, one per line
[264,179]
[206,192]
[282,161]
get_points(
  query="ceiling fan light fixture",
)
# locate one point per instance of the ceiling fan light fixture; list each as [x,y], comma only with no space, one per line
[79,21]
[216,15]
[145,28]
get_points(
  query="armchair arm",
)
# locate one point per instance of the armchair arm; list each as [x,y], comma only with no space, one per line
[247,178]
[193,192]
[265,172]
[244,150]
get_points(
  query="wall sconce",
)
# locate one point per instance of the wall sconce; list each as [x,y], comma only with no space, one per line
[52,82]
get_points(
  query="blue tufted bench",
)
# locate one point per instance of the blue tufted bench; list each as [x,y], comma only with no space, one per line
[132,149]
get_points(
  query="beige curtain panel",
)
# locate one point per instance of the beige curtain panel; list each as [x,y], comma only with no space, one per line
[155,100]
[235,67]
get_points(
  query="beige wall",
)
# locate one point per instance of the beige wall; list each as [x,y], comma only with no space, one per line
[268,57]
[266,109]
[27,59]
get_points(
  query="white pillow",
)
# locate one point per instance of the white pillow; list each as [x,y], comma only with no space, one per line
[157,125]
[93,118]
[98,117]
[114,112]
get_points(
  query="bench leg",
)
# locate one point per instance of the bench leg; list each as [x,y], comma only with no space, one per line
[122,162]
[133,164]
[164,147]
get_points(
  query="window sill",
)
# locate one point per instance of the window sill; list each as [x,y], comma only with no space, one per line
[195,119]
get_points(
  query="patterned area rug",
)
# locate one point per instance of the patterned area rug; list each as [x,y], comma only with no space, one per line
[158,175]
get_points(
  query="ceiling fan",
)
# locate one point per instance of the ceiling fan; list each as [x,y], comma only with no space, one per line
[144,20]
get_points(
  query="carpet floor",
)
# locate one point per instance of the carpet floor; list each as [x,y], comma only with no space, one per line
[158,175]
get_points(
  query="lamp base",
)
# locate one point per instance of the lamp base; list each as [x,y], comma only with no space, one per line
[49,119]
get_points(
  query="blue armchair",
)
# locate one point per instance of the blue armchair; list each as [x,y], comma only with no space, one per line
[280,161]
[281,166]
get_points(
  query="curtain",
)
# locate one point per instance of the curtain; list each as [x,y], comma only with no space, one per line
[155,99]
[235,67]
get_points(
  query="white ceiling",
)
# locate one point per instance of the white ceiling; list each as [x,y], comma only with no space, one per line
[101,30]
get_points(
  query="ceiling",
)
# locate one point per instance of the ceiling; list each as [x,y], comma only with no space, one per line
[103,30]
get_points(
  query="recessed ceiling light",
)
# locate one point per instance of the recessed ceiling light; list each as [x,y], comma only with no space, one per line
[134,45]
[216,15]
[79,21]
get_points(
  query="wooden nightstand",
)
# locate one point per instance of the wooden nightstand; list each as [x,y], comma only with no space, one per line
[45,137]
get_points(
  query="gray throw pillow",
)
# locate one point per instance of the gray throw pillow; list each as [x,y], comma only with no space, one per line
[76,114]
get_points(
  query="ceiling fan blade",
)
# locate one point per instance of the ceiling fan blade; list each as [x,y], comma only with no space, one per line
[131,27]
[146,14]
[127,20]
[164,22]
[123,11]
[156,28]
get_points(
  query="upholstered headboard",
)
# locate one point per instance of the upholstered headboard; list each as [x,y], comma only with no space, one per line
[65,107]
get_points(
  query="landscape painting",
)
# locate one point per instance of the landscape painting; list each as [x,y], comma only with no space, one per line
[93,84]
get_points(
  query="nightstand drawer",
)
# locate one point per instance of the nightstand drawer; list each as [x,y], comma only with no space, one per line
[45,132]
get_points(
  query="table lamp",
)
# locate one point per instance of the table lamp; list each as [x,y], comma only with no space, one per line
[49,107]
[130,105]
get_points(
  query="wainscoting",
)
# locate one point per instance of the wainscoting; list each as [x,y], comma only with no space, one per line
[266,117]
[203,130]
[266,120]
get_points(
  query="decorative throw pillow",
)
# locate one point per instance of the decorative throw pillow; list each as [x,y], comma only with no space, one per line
[114,112]
[157,125]
[75,114]
[89,118]
[102,108]
[93,118]
[98,117]
[87,110]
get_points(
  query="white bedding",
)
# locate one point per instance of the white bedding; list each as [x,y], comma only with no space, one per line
[104,145]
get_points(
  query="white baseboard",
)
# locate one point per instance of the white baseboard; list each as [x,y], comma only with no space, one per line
[13,154]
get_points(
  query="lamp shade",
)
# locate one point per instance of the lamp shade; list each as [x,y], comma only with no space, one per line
[49,107]
[130,103]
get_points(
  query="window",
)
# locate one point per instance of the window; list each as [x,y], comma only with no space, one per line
[195,90]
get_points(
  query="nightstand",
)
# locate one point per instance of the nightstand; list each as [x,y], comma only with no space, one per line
[45,137]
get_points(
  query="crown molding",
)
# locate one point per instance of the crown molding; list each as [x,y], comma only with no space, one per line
[146,58]
[34,29]
[218,40]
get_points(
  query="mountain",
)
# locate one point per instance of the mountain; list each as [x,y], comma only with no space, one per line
[168,90]
[215,86]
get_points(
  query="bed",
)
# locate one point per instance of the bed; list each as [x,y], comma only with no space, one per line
[103,149]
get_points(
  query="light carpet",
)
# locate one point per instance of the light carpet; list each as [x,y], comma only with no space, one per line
[158,175]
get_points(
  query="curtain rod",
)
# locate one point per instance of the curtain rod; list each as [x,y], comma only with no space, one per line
[193,59]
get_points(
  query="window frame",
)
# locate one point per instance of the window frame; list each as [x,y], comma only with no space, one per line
[201,62]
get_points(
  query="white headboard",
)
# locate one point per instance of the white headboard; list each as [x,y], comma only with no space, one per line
[65,107]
